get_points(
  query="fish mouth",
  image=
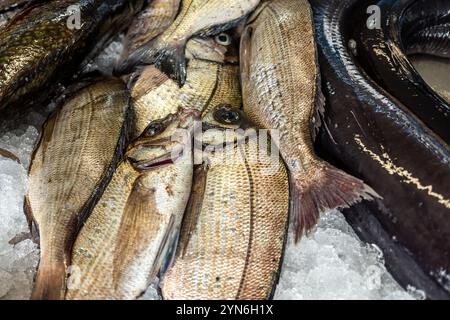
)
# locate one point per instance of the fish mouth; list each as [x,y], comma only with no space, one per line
[162,161]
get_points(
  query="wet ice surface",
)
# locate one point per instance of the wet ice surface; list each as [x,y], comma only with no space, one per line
[332,263]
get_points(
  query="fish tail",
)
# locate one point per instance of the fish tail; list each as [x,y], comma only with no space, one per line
[144,55]
[172,61]
[50,282]
[324,188]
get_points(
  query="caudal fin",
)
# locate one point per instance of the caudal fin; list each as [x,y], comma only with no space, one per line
[50,282]
[144,55]
[169,58]
[325,189]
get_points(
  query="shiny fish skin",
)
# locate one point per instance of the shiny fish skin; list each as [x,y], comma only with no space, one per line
[402,159]
[380,53]
[55,50]
[234,230]
[281,90]
[129,234]
[155,95]
[80,147]
[150,23]
[434,40]
[206,17]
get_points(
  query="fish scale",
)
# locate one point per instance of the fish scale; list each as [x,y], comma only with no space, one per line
[234,229]
[68,170]
[281,91]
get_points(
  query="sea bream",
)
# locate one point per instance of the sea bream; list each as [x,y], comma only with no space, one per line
[235,226]
[80,148]
[156,17]
[211,62]
[196,17]
[132,233]
[282,91]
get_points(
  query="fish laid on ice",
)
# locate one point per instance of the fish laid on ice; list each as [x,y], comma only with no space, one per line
[235,226]
[196,17]
[281,90]
[80,147]
[131,231]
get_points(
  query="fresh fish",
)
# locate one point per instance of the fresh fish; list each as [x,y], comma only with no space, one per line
[379,51]
[129,234]
[196,17]
[281,90]
[80,147]
[235,226]
[8,9]
[58,44]
[156,96]
[142,237]
[7,5]
[376,138]
[434,41]
[150,23]
[426,28]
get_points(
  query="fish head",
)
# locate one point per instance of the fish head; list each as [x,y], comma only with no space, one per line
[164,141]
[224,125]
[222,48]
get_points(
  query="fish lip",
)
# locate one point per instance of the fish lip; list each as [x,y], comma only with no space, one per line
[165,160]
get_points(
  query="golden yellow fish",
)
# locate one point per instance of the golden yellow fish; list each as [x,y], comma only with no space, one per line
[235,226]
[80,147]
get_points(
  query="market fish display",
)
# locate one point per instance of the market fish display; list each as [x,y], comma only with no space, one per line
[155,95]
[156,17]
[375,137]
[380,52]
[196,17]
[134,226]
[26,67]
[235,225]
[281,90]
[80,147]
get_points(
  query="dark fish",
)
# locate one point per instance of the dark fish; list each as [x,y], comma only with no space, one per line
[81,145]
[380,52]
[434,40]
[43,43]
[426,28]
[374,137]
[7,5]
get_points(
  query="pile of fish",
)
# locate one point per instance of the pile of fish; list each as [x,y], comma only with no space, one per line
[188,162]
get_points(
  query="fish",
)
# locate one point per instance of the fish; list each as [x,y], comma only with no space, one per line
[426,28]
[142,248]
[58,48]
[9,155]
[129,235]
[373,136]
[235,226]
[156,17]
[196,17]
[211,69]
[81,145]
[281,91]
[380,52]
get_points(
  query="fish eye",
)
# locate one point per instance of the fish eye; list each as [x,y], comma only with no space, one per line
[153,129]
[226,114]
[223,39]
